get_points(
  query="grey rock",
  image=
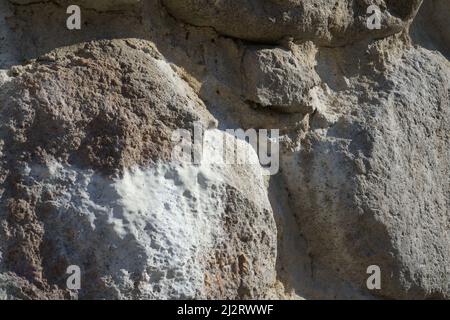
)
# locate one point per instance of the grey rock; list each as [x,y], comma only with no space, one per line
[433,33]
[370,185]
[97,4]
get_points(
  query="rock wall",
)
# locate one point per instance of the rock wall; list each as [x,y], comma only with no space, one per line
[87,175]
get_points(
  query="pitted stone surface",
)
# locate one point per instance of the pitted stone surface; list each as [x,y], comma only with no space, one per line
[86,140]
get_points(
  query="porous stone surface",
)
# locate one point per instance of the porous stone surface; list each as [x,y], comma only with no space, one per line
[326,22]
[280,80]
[371,184]
[139,226]
[87,169]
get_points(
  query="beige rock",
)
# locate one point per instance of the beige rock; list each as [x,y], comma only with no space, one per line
[86,120]
[271,21]
[95,185]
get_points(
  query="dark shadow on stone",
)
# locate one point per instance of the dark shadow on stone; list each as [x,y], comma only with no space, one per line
[431,28]
[296,266]
[38,28]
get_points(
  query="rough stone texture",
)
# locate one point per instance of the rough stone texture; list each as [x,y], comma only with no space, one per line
[108,126]
[327,22]
[371,183]
[276,78]
[117,206]
[86,177]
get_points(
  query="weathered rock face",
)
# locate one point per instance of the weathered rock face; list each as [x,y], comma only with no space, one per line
[139,226]
[371,184]
[87,175]
[271,79]
[327,22]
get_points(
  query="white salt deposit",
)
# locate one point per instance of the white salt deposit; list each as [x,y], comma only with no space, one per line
[156,223]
